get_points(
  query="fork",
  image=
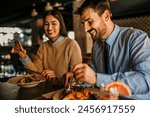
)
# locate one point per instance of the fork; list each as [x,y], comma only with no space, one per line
[72,82]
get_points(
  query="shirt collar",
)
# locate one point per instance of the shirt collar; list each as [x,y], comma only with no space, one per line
[58,40]
[111,38]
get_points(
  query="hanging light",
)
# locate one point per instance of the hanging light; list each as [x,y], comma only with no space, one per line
[57,4]
[48,6]
[34,11]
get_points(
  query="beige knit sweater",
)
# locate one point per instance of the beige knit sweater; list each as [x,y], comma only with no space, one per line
[59,57]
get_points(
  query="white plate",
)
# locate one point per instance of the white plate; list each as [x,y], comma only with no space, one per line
[14,80]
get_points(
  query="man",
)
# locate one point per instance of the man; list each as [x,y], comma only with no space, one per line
[128,55]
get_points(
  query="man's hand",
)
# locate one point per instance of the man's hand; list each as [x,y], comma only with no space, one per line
[84,73]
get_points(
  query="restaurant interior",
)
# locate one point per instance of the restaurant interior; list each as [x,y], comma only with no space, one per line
[22,20]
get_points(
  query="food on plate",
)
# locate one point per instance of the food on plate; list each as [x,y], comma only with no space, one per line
[17,45]
[79,93]
[121,87]
[28,79]
[76,91]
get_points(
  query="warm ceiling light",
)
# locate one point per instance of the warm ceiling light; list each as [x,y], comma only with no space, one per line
[34,12]
[61,8]
[48,6]
[57,4]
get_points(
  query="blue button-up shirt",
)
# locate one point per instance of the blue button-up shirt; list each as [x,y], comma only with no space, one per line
[129,60]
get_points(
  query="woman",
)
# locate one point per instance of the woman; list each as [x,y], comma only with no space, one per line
[58,55]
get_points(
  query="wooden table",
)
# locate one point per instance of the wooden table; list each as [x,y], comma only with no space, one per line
[13,92]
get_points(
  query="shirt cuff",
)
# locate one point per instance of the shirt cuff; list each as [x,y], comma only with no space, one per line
[25,61]
[102,79]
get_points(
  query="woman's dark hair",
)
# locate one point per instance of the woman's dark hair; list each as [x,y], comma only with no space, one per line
[98,5]
[59,17]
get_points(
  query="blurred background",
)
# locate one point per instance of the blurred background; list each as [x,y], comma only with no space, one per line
[22,20]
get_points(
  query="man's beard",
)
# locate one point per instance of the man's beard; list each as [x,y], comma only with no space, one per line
[96,36]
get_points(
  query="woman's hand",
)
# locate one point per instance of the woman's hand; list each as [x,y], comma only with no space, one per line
[50,75]
[83,73]
[18,49]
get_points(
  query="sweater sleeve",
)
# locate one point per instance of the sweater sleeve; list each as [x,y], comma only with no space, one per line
[36,65]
